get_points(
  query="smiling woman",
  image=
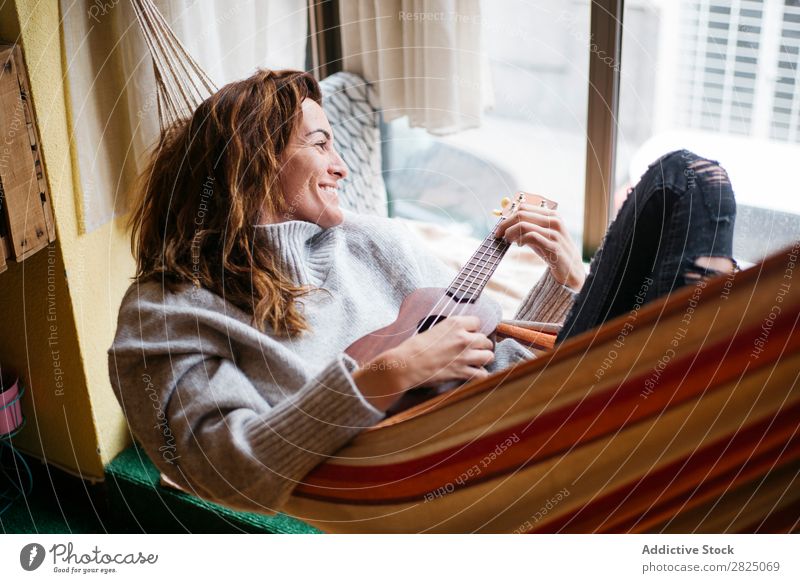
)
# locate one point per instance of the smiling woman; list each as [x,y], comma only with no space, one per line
[231,356]
[236,230]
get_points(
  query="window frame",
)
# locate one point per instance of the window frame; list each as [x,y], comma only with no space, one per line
[601,119]
[325,58]
[325,36]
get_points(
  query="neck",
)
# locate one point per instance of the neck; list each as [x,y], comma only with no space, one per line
[305,250]
[473,277]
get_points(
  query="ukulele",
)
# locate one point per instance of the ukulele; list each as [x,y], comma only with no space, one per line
[426,307]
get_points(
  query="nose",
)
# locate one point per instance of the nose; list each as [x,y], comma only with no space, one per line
[337,167]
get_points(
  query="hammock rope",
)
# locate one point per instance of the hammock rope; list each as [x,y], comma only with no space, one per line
[181,83]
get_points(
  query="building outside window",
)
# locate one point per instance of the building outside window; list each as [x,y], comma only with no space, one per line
[717,77]
[533,137]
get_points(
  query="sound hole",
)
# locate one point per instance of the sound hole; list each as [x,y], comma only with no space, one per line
[429,322]
[465,299]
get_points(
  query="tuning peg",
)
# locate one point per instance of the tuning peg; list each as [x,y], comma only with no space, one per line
[497,212]
[505,202]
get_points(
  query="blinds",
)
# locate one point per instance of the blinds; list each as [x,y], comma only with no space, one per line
[721,43]
[786,100]
[738,68]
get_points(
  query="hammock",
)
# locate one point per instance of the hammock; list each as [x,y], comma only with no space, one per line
[681,416]
[181,85]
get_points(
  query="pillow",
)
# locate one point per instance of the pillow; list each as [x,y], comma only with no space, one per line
[351,105]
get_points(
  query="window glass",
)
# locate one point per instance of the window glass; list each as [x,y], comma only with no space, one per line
[532,139]
[719,78]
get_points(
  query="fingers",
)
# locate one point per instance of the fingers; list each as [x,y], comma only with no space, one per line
[519,225]
[546,242]
[476,373]
[542,210]
[478,357]
[481,342]
[459,341]
[534,214]
[551,236]
[468,323]
[546,246]
[464,330]
[475,341]
[544,231]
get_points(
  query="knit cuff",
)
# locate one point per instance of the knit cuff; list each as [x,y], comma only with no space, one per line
[301,432]
[548,301]
[351,365]
[327,411]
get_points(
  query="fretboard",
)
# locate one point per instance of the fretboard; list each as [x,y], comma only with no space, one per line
[473,277]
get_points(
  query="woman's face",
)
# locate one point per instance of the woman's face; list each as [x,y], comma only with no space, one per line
[310,171]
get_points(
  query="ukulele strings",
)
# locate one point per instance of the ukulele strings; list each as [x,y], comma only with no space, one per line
[465,284]
[485,277]
[461,286]
[494,254]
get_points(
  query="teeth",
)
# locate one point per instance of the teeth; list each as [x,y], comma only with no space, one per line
[329,188]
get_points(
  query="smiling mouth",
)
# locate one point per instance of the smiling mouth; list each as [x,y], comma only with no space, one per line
[328,188]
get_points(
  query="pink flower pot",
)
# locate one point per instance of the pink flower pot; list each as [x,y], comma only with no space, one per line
[10,406]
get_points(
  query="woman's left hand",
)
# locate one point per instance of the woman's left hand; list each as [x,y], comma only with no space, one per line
[543,230]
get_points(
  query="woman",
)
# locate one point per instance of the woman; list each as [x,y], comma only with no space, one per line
[251,281]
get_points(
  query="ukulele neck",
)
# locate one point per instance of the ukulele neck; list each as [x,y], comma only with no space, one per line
[473,277]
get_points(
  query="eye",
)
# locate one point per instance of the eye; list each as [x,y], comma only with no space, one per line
[321,144]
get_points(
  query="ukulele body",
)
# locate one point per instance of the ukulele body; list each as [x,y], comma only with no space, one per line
[421,309]
[428,306]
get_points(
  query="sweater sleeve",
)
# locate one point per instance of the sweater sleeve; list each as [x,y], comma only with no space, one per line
[236,449]
[205,423]
[547,301]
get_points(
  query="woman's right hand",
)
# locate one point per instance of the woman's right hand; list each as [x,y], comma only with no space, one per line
[451,350]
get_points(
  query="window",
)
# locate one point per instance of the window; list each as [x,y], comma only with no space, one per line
[720,78]
[532,139]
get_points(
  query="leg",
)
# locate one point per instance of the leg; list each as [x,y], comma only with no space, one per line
[675,227]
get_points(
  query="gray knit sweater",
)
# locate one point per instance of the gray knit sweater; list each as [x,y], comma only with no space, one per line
[238,416]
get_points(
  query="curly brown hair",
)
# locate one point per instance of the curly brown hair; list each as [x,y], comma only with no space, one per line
[206,185]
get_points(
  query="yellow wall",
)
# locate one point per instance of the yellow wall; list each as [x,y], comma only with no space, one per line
[79,280]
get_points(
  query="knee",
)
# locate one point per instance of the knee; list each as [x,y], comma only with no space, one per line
[705,267]
[685,172]
[691,166]
[709,171]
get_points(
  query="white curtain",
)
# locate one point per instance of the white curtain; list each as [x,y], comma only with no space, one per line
[425,56]
[111,89]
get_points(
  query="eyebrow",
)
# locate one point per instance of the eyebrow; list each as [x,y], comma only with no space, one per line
[320,130]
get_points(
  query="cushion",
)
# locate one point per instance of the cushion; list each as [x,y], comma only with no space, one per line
[139,503]
[351,105]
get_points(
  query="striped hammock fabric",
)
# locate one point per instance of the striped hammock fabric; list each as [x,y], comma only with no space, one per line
[681,416]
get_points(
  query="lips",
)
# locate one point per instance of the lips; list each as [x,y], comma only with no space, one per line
[331,191]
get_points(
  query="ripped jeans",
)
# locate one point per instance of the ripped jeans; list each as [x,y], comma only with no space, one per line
[681,212]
